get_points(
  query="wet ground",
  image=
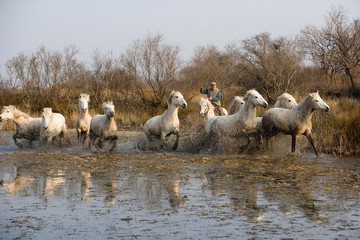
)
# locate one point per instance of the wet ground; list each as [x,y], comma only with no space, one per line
[72,193]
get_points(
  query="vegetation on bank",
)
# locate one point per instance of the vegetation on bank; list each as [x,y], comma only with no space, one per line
[139,80]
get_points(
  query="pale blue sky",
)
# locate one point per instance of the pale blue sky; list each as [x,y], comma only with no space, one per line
[112,26]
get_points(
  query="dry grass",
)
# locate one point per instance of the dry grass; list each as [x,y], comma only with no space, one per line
[338,131]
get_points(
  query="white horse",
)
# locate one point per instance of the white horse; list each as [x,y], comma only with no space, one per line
[207,110]
[52,125]
[83,122]
[295,121]
[285,100]
[103,127]
[242,121]
[27,127]
[168,123]
[236,104]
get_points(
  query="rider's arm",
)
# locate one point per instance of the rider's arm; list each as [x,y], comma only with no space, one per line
[217,97]
[204,91]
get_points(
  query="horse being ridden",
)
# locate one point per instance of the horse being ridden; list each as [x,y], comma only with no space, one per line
[214,96]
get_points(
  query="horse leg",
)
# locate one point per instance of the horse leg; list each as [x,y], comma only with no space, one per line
[164,140]
[175,146]
[267,142]
[293,143]
[15,137]
[258,139]
[311,140]
[100,143]
[83,137]
[112,139]
[61,135]
[92,138]
[113,146]
[247,137]
[78,134]
[86,138]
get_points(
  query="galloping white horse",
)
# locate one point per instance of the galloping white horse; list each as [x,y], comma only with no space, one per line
[168,123]
[26,126]
[295,121]
[53,124]
[83,122]
[207,110]
[242,121]
[103,127]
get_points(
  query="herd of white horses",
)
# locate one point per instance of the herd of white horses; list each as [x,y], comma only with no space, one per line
[287,117]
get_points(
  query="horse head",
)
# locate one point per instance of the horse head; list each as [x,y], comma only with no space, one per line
[318,103]
[46,116]
[204,107]
[285,100]
[255,98]
[109,109]
[84,100]
[177,99]
[239,102]
[7,113]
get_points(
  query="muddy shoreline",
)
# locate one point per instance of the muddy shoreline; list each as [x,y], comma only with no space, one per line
[73,193]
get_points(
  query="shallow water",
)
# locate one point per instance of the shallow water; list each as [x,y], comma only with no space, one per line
[72,193]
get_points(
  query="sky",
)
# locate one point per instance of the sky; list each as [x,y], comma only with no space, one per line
[111,26]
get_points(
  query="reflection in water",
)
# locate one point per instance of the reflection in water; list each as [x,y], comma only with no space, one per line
[290,191]
[80,185]
[156,191]
[105,184]
[54,181]
[262,192]
[242,190]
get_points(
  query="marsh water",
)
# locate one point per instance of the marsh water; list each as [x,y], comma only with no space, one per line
[50,192]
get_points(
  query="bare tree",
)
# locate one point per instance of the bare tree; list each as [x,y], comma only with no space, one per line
[210,64]
[273,64]
[44,78]
[153,67]
[335,47]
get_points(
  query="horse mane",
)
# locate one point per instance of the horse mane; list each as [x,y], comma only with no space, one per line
[169,101]
[85,96]
[248,93]
[304,104]
[17,113]
[47,111]
[107,103]
[210,104]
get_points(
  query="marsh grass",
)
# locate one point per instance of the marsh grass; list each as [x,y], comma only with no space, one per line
[338,131]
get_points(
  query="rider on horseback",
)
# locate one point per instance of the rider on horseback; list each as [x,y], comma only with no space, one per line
[214,96]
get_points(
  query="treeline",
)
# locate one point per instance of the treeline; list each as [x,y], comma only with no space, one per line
[140,78]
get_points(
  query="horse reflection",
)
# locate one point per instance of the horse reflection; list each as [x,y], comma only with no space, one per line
[46,184]
[157,191]
[54,180]
[240,189]
[107,184]
[292,194]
